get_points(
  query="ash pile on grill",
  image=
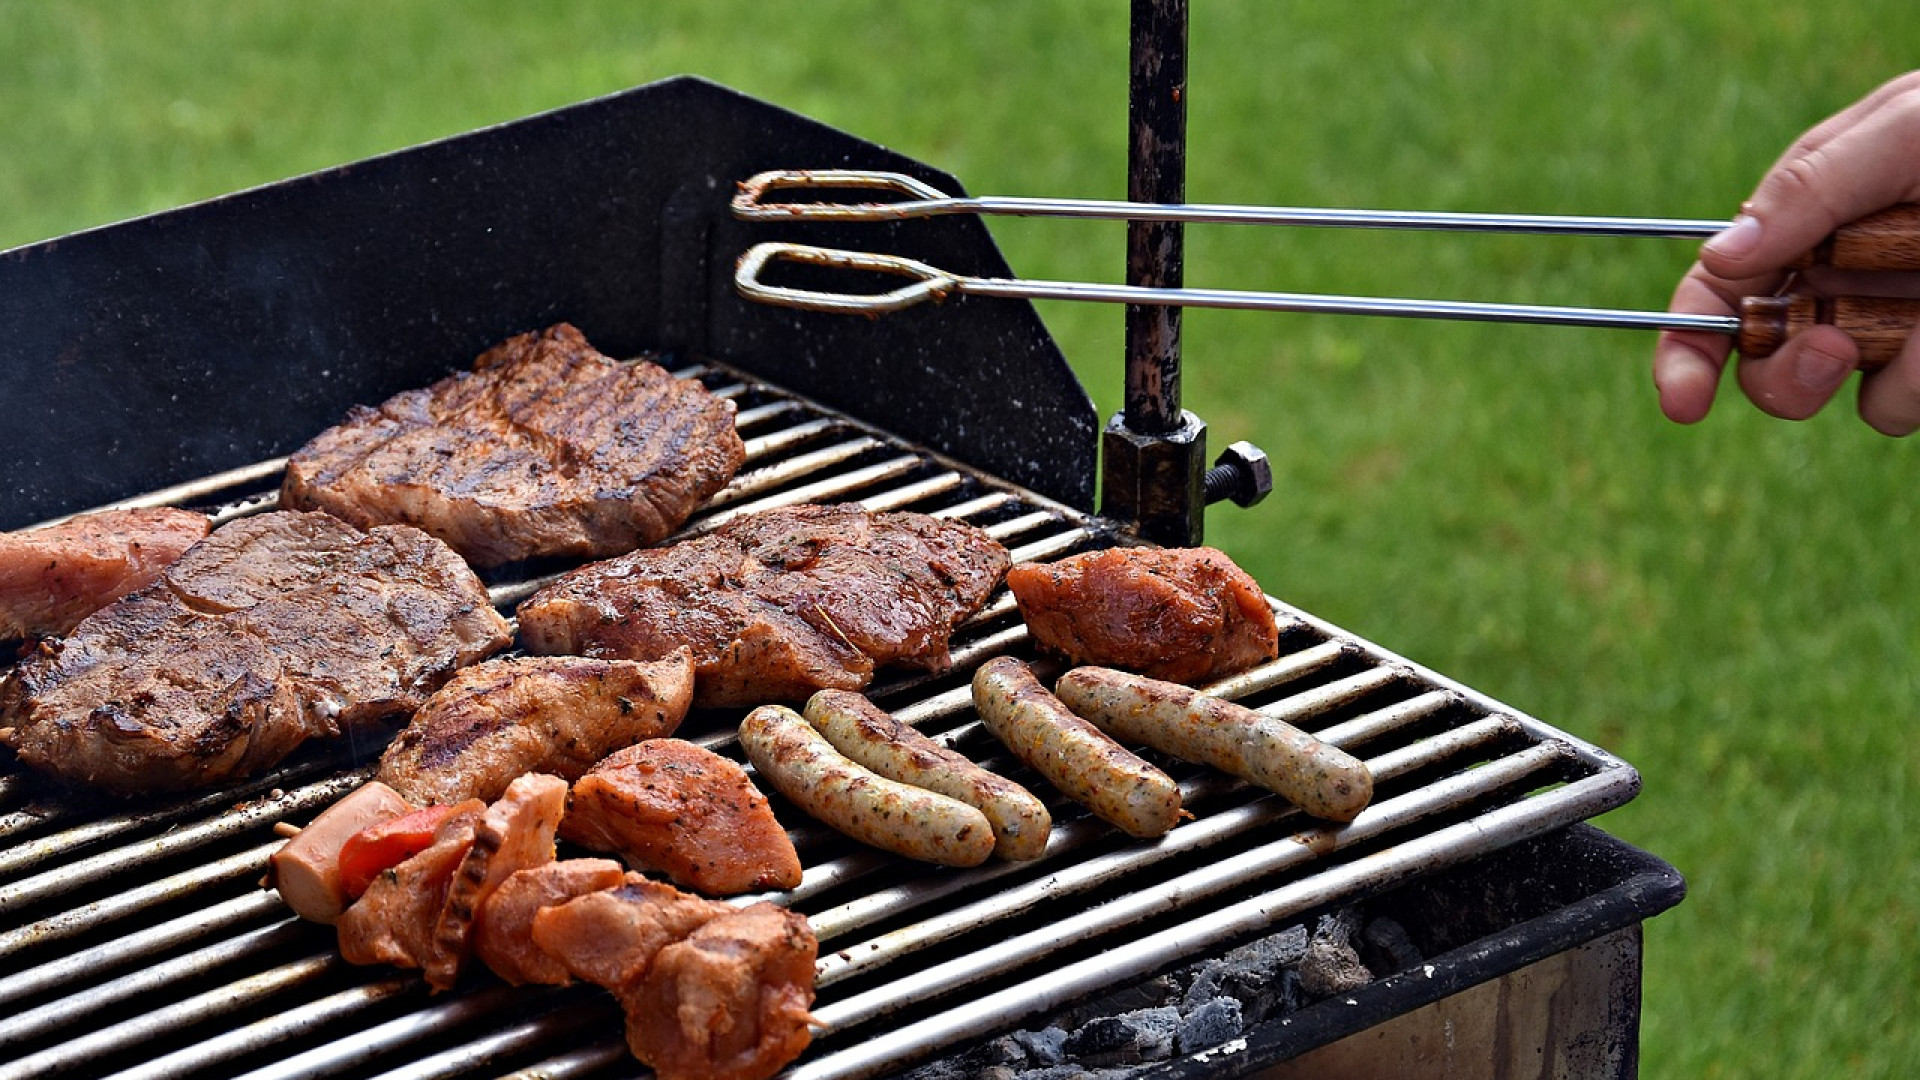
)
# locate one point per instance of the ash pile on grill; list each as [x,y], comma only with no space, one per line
[1193,1008]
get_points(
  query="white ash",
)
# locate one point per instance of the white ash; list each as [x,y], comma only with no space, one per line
[1191,1009]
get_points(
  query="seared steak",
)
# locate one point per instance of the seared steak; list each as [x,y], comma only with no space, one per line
[1184,615]
[553,714]
[53,577]
[545,448]
[778,604]
[275,629]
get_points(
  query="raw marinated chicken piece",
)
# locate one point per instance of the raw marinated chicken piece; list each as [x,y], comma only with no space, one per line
[275,629]
[545,448]
[397,920]
[503,935]
[670,806]
[52,577]
[609,938]
[728,1003]
[1185,615]
[515,833]
[778,604]
[497,720]
[306,869]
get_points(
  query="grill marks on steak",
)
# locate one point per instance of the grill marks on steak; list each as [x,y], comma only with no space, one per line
[275,629]
[545,448]
[778,604]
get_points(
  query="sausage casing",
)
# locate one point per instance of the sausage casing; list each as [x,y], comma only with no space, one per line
[1318,777]
[870,736]
[1086,765]
[919,824]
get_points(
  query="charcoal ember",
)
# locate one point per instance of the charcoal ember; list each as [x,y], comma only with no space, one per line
[1332,963]
[1044,1047]
[1386,948]
[1215,1021]
[1260,975]
[1126,1039]
[1152,993]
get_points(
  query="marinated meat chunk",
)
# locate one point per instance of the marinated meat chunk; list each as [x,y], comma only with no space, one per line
[503,935]
[685,811]
[397,920]
[545,448]
[728,1003]
[1185,615]
[515,833]
[275,629]
[610,938]
[52,577]
[778,604]
[499,719]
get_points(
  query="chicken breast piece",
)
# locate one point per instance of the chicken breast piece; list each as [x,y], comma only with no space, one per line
[503,934]
[730,1002]
[559,715]
[1185,615]
[610,938]
[55,576]
[684,811]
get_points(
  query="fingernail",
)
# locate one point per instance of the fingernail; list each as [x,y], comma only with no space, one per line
[1817,370]
[1737,240]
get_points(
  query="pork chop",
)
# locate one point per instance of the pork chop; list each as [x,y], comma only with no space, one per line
[778,604]
[275,629]
[499,719]
[545,448]
[52,577]
[1186,615]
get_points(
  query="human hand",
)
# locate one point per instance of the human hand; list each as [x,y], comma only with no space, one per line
[1862,159]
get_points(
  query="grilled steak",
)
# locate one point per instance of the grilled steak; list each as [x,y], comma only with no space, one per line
[545,448]
[1184,615]
[275,629]
[52,577]
[778,604]
[553,714]
[685,811]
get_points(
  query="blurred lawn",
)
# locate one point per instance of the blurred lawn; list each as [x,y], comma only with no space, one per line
[1731,607]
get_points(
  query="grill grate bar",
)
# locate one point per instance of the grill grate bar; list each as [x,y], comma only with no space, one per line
[369,1044]
[273,1032]
[1127,960]
[1010,953]
[162,1021]
[103,866]
[838,486]
[767,478]
[91,962]
[137,899]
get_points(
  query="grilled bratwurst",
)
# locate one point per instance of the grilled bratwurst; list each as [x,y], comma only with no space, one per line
[275,629]
[778,604]
[545,448]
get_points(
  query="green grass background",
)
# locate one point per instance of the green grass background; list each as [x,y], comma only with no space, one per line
[1731,607]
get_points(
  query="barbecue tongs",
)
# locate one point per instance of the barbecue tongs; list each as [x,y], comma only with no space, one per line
[1888,240]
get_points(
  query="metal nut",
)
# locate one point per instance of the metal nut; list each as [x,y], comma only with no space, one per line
[1241,473]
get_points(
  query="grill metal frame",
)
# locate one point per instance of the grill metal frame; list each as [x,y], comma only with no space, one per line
[140,941]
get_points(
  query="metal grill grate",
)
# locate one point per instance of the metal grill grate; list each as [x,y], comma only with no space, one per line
[135,940]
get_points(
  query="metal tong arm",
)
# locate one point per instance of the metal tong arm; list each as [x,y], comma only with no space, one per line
[916,199]
[1879,325]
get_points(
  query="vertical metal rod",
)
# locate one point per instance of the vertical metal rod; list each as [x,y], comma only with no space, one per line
[1156,173]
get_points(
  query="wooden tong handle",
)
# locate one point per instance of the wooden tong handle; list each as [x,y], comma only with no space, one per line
[1878,324]
[1884,240]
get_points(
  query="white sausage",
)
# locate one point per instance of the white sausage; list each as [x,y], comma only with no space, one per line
[896,817]
[1318,777]
[867,734]
[1074,756]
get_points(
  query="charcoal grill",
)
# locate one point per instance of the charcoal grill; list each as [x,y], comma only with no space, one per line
[175,359]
